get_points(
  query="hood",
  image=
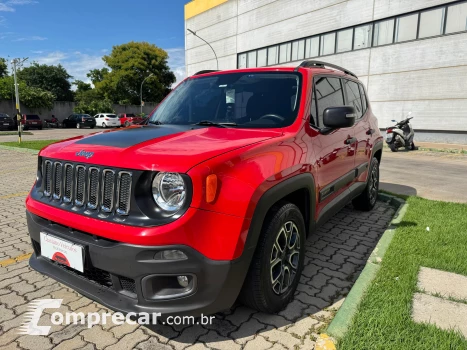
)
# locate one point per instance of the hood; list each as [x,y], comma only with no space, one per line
[175,148]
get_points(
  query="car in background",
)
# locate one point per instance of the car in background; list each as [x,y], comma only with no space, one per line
[105,120]
[126,119]
[79,121]
[31,121]
[6,123]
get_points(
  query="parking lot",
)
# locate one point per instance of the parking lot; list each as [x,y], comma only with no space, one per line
[335,255]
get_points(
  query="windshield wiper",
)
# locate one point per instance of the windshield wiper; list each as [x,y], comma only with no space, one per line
[156,122]
[219,125]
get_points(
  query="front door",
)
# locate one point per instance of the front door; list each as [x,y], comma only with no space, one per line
[335,150]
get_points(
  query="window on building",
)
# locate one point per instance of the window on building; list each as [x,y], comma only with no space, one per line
[431,23]
[298,50]
[242,60]
[272,55]
[251,59]
[457,18]
[364,100]
[284,52]
[328,44]
[406,28]
[384,31]
[344,40]
[262,56]
[363,36]
[312,47]
[353,96]
[328,94]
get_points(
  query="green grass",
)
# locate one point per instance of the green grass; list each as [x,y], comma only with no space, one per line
[36,145]
[383,320]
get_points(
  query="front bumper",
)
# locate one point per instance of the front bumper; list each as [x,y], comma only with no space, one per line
[115,273]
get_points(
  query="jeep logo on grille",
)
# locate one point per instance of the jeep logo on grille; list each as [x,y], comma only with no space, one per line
[85,154]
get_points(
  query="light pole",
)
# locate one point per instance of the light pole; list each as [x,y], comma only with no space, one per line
[15,62]
[194,33]
[150,75]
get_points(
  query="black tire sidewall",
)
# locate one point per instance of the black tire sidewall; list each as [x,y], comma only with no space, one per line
[374,163]
[272,300]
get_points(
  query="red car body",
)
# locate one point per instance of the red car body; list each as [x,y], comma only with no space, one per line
[129,119]
[31,121]
[255,168]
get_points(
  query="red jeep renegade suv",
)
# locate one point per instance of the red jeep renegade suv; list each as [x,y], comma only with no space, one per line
[211,200]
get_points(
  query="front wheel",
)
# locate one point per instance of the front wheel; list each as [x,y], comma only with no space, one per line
[278,261]
[103,125]
[78,126]
[367,199]
[127,124]
[393,147]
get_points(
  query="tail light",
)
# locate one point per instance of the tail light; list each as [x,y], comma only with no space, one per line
[106,119]
[83,120]
[389,131]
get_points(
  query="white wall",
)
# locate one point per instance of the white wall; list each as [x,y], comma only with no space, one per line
[427,77]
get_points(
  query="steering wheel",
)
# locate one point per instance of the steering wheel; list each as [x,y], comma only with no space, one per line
[272,116]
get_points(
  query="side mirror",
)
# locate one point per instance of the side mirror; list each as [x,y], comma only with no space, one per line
[339,117]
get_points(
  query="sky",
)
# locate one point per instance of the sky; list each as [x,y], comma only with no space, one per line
[77,33]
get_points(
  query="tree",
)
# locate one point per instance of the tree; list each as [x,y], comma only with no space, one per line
[3,68]
[81,86]
[31,97]
[94,107]
[129,65]
[97,75]
[48,78]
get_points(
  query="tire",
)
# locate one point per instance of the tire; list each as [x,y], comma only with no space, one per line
[40,128]
[103,125]
[78,126]
[393,147]
[127,124]
[92,127]
[367,199]
[266,287]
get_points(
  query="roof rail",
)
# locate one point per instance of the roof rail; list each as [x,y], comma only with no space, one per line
[206,71]
[320,64]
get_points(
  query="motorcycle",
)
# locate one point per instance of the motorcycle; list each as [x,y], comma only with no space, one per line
[51,123]
[401,135]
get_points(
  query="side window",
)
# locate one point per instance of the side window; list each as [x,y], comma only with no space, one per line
[329,93]
[364,100]
[353,96]
[313,114]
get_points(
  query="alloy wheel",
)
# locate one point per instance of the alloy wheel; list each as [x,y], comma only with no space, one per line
[374,182]
[285,256]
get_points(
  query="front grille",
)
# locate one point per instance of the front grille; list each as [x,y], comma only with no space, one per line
[128,284]
[47,178]
[57,180]
[92,274]
[91,187]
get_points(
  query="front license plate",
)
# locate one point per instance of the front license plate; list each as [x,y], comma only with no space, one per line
[61,251]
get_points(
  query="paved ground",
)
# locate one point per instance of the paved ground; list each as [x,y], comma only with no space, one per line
[50,134]
[335,255]
[442,300]
[432,175]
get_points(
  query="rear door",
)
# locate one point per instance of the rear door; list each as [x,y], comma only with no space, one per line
[354,98]
[335,156]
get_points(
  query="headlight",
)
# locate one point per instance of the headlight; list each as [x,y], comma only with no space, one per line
[169,191]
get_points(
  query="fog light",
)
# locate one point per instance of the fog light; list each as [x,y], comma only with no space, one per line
[183,281]
[170,255]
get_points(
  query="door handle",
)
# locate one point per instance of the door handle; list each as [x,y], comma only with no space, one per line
[350,140]
[370,131]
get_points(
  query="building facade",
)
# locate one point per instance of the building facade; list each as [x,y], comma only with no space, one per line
[410,54]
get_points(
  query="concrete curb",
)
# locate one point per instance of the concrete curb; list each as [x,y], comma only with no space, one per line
[27,150]
[341,322]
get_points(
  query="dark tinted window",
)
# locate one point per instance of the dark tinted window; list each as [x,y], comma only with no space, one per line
[32,117]
[110,116]
[130,116]
[328,94]
[313,114]
[256,100]
[353,96]
[364,101]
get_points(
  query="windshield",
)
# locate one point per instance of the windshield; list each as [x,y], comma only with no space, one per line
[255,100]
[110,116]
